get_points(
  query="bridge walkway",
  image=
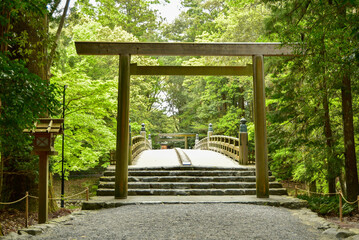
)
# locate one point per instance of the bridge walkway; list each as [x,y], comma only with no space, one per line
[169,158]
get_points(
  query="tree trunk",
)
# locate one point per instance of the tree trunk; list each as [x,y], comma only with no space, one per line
[351,173]
[57,37]
[331,167]
[2,159]
[312,186]
[53,207]
[224,104]
[4,30]
[241,102]
[330,155]
[342,183]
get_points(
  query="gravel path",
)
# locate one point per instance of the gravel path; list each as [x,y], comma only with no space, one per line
[193,221]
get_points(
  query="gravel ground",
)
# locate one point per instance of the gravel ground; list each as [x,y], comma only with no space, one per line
[181,221]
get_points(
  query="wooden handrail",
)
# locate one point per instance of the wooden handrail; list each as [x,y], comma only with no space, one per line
[139,144]
[229,146]
[202,144]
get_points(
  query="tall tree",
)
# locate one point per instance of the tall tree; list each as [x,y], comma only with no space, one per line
[134,16]
[25,73]
[328,46]
[197,18]
[91,98]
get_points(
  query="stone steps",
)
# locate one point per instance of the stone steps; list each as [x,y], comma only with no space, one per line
[187,168]
[183,185]
[184,173]
[185,180]
[187,192]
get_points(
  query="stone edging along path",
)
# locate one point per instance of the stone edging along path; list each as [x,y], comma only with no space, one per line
[37,229]
[276,201]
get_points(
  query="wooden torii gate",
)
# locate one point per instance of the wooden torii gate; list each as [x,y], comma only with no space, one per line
[126,49]
[176,135]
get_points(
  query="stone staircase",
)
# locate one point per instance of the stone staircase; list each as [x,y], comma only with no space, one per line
[188,180]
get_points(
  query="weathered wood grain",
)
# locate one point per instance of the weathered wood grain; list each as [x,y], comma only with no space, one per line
[193,70]
[183,49]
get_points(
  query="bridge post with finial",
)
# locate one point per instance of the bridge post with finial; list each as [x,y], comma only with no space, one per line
[130,144]
[209,134]
[143,130]
[243,142]
[197,139]
[150,140]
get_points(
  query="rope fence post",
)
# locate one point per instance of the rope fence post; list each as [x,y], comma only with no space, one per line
[340,207]
[27,210]
[27,196]
[341,198]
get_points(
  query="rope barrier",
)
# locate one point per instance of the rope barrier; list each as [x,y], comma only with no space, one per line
[9,203]
[341,194]
[27,196]
[341,197]
[69,197]
[35,197]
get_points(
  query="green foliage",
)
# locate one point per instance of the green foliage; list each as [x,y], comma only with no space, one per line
[326,205]
[135,16]
[197,101]
[196,19]
[305,127]
[91,98]
[305,114]
[14,9]
[24,97]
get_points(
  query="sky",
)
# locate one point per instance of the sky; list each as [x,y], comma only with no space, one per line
[167,10]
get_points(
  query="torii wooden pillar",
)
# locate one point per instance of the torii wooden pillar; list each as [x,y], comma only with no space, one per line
[260,128]
[122,137]
[126,49]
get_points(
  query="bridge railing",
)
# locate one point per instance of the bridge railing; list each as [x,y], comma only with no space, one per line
[137,143]
[226,145]
[201,144]
[232,147]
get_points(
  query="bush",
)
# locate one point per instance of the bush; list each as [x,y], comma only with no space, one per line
[327,205]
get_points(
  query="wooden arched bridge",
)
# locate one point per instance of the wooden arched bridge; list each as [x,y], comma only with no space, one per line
[217,165]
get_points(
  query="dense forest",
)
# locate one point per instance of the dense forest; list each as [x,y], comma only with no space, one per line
[312,98]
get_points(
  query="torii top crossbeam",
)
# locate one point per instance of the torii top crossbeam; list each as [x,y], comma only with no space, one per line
[183,49]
